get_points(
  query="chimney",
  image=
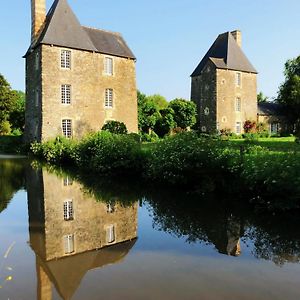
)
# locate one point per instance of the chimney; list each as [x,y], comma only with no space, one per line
[237,34]
[38,16]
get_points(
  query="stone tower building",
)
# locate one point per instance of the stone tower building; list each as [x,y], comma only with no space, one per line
[71,232]
[224,86]
[77,78]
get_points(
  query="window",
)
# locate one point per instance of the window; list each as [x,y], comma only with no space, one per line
[238,104]
[67,128]
[68,181]
[108,66]
[110,234]
[37,98]
[238,79]
[109,98]
[110,208]
[66,94]
[68,210]
[65,59]
[238,127]
[274,127]
[69,243]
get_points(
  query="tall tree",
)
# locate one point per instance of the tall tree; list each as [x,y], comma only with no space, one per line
[184,112]
[289,91]
[261,98]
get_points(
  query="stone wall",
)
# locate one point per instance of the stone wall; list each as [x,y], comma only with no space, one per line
[203,93]
[88,83]
[33,104]
[227,93]
[90,222]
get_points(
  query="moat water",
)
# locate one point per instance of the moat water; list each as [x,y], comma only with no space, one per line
[64,238]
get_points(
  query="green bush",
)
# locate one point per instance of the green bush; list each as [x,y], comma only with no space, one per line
[115,127]
[185,159]
[107,153]
[150,138]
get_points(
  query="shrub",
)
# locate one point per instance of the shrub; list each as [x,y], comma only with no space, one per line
[150,138]
[249,126]
[186,159]
[115,127]
[111,154]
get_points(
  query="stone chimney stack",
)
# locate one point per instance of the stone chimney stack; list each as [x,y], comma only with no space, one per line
[38,16]
[237,34]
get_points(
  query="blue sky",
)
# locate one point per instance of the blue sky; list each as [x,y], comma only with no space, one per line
[169,37]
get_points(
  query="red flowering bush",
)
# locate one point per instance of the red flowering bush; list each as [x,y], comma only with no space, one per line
[250,126]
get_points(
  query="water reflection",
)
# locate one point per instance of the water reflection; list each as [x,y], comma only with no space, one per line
[72,233]
[12,179]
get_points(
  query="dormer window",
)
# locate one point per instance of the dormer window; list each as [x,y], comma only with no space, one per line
[108,66]
[65,59]
[238,79]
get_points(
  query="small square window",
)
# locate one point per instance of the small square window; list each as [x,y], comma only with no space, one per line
[238,78]
[110,234]
[68,210]
[109,94]
[108,66]
[67,128]
[69,243]
[65,59]
[238,104]
[66,94]
[238,127]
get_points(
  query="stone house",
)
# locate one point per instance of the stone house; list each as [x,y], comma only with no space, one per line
[224,86]
[272,115]
[77,78]
[71,232]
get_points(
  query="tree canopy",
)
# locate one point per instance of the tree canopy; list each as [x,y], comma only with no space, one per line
[261,98]
[12,108]
[289,91]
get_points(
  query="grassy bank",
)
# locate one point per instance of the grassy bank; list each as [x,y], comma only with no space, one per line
[267,171]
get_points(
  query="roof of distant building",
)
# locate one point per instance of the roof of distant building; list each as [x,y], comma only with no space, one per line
[225,53]
[269,109]
[63,29]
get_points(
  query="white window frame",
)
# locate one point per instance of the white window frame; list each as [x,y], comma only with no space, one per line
[65,91]
[67,181]
[108,66]
[66,126]
[238,127]
[238,104]
[238,79]
[68,210]
[109,98]
[274,128]
[69,243]
[65,59]
[110,234]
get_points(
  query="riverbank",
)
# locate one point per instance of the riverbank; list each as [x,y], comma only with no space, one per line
[266,175]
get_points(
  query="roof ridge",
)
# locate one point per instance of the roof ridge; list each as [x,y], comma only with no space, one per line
[104,30]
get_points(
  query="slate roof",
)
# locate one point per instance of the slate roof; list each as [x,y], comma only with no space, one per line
[63,29]
[269,109]
[225,53]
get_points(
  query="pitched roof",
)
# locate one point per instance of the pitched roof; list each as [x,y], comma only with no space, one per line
[67,273]
[269,109]
[62,28]
[225,53]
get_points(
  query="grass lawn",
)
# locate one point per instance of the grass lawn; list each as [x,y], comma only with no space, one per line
[276,144]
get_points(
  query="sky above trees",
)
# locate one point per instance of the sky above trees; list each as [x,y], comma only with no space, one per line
[170,37]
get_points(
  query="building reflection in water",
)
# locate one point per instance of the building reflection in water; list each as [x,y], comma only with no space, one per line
[71,233]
